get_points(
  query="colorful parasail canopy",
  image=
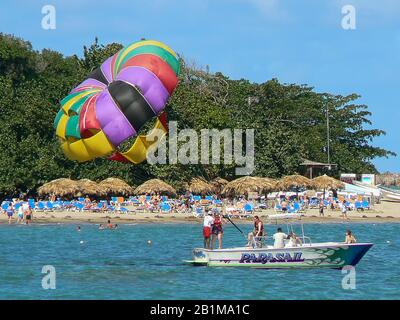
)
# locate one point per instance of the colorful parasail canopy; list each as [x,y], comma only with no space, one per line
[115,101]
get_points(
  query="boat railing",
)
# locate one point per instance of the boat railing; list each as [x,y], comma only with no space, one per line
[260,241]
[305,240]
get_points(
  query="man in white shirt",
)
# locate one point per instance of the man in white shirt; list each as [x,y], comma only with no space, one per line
[279,238]
[207,224]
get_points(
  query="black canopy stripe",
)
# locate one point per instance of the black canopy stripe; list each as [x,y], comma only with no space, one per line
[132,103]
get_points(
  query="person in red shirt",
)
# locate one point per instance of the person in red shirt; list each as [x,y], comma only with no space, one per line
[217,231]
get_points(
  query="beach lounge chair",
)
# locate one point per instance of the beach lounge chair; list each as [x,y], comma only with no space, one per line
[49,206]
[123,210]
[278,208]
[4,205]
[248,208]
[198,212]
[165,207]
[365,205]
[79,206]
[358,205]
[31,203]
[297,208]
[40,206]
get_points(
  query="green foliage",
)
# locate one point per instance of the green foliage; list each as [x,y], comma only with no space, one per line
[289,121]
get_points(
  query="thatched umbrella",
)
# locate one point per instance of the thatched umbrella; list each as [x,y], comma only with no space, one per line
[200,186]
[295,182]
[60,187]
[155,186]
[325,182]
[245,185]
[219,184]
[268,184]
[116,186]
[89,187]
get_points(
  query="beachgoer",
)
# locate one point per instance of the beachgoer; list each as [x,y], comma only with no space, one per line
[10,212]
[28,215]
[109,224]
[217,231]
[101,227]
[279,238]
[20,214]
[349,237]
[207,224]
[257,233]
[284,205]
[78,228]
[344,210]
[321,208]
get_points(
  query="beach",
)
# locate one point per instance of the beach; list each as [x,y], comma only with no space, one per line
[388,212]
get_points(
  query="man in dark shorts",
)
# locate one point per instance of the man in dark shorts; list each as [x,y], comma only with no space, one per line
[28,215]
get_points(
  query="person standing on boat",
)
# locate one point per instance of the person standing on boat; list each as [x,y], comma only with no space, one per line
[257,233]
[279,239]
[217,231]
[207,224]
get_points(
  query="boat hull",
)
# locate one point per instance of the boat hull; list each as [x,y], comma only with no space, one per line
[332,255]
[391,195]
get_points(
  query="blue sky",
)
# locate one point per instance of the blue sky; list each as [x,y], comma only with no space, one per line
[294,41]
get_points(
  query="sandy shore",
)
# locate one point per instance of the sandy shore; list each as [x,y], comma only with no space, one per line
[383,212]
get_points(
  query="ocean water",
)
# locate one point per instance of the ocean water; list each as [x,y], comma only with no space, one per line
[119,264]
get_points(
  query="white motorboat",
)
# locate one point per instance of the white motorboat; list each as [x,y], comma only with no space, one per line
[302,255]
[390,195]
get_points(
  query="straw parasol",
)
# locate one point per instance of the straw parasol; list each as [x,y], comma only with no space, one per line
[60,187]
[268,184]
[219,184]
[295,181]
[247,184]
[89,187]
[326,182]
[155,186]
[116,186]
[200,186]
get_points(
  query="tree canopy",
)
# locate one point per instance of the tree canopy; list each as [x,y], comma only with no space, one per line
[289,121]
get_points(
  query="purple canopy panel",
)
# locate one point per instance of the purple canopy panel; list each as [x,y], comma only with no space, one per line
[150,86]
[106,69]
[112,121]
[95,84]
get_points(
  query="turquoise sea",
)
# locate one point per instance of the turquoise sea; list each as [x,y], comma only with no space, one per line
[119,264]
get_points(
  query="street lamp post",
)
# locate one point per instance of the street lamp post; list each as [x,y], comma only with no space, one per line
[328,137]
